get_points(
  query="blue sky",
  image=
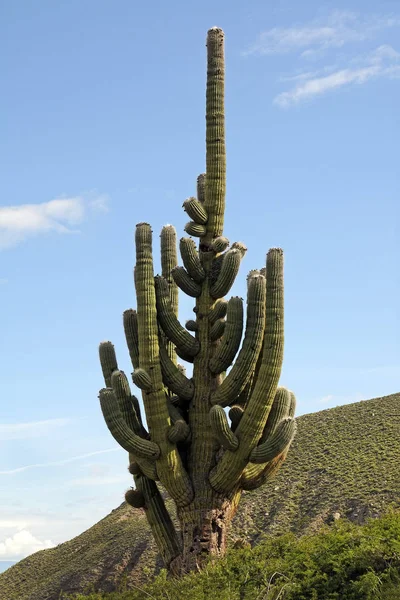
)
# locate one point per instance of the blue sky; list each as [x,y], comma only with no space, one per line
[103,127]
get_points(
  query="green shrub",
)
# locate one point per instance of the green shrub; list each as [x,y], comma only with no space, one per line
[341,562]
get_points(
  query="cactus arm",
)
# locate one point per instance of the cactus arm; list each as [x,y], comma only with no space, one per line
[235,415]
[217,330]
[120,431]
[219,244]
[191,325]
[222,431]
[275,444]
[229,469]
[195,210]
[169,464]
[159,520]
[142,380]
[169,260]
[132,335]
[251,480]
[218,311]
[135,498]
[108,361]
[185,282]
[195,229]
[227,275]
[283,408]
[179,430]
[191,259]
[128,404]
[215,136]
[174,379]
[184,341]
[201,187]
[245,363]
[230,342]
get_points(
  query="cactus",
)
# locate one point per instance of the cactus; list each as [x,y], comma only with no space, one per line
[203,455]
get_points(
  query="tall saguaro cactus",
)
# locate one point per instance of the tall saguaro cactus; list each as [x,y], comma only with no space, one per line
[203,455]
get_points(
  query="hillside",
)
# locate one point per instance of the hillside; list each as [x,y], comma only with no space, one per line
[343,463]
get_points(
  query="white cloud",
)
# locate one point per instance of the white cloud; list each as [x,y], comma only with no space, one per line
[100,203]
[336,30]
[3,281]
[58,462]
[22,544]
[33,429]
[383,62]
[60,215]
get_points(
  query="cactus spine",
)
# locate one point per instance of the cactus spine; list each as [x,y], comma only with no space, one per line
[202,457]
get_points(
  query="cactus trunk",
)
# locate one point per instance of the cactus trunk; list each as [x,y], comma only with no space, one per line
[204,529]
[203,454]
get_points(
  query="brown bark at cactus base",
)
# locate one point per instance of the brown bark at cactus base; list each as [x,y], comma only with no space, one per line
[204,534]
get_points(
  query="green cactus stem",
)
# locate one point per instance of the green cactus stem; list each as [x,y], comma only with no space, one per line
[135,498]
[169,260]
[120,431]
[142,380]
[179,430]
[132,335]
[191,260]
[227,275]
[191,325]
[230,342]
[235,415]
[245,363]
[275,444]
[134,468]
[195,229]
[201,187]
[217,330]
[218,311]
[195,210]
[229,469]
[222,431]
[160,522]
[220,244]
[108,361]
[215,135]
[185,282]
[169,464]
[128,404]
[174,378]
[184,341]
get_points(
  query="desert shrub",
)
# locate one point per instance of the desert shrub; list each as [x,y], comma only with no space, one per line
[341,562]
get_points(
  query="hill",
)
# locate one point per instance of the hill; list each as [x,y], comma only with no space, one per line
[342,464]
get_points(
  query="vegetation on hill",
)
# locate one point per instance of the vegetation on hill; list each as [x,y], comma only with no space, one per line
[344,461]
[343,561]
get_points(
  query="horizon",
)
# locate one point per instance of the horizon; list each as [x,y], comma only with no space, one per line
[99,138]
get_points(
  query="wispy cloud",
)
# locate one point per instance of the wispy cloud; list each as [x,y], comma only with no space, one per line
[3,281]
[33,429]
[334,31]
[92,480]
[60,215]
[57,462]
[383,62]
[22,544]
[333,400]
